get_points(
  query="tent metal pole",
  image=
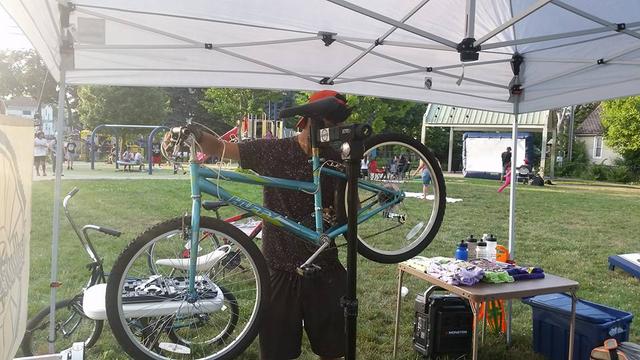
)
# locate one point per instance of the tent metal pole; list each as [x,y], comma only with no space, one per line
[601,21]
[423,129]
[471,17]
[55,237]
[582,68]
[379,40]
[558,36]
[512,201]
[512,21]
[512,190]
[420,70]
[537,39]
[390,21]
[197,18]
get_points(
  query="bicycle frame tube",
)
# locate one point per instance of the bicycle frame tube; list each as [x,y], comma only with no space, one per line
[207,186]
[195,223]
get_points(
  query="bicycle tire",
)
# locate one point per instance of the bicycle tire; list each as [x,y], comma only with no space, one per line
[40,322]
[435,220]
[120,325]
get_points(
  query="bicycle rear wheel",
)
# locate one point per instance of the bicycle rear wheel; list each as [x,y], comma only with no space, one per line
[71,326]
[399,232]
[151,313]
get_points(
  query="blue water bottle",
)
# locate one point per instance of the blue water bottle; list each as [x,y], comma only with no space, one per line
[462,253]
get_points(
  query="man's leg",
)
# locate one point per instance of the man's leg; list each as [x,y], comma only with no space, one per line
[323,315]
[281,331]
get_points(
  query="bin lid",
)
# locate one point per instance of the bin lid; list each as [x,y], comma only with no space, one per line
[585,310]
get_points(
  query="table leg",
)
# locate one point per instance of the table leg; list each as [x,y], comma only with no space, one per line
[572,325]
[398,303]
[484,321]
[474,340]
[509,322]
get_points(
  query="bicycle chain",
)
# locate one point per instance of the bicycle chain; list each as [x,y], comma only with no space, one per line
[335,164]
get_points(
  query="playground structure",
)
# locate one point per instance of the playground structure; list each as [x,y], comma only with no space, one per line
[149,155]
[253,126]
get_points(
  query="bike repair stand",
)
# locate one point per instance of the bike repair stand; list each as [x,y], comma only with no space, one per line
[350,301]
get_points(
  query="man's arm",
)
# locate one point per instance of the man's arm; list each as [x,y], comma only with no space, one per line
[211,145]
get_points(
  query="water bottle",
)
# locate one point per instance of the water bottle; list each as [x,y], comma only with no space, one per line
[462,253]
[481,251]
[491,247]
[471,247]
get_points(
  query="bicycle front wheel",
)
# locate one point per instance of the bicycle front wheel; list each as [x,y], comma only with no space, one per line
[71,326]
[406,218]
[153,314]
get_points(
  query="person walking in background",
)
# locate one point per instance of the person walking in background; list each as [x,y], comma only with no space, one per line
[40,148]
[393,167]
[425,175]
[70,153]
[506,159]
[402,166]
[507,176]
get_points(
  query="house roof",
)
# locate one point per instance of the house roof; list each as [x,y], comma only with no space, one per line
[22,101]
[592,124]
[468,119]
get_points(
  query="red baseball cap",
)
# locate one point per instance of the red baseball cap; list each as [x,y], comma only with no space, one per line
[318,95]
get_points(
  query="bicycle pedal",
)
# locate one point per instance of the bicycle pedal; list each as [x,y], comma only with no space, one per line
[309,270]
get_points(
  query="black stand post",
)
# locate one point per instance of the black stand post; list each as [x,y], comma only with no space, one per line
[350,301]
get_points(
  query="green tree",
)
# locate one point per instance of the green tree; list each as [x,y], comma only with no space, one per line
[621,120]
[122,105]
[185,103]
[22,73]
[231,105]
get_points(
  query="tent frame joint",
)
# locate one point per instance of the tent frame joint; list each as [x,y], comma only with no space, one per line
[516,62]
[325,81]
[621,27]
[208,46]
[468,51]
[327,37]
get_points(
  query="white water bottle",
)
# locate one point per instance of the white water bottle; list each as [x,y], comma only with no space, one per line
[481,250]
[491,247]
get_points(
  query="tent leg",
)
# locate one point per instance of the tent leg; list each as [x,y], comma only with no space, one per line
[56,209]
[512,202]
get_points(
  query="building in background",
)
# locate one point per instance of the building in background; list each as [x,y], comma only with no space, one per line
[21,106]
[591,133]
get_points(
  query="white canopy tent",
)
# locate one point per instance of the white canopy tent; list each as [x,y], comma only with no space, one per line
[503,55]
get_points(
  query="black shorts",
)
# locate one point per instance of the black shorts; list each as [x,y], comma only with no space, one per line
[313,302]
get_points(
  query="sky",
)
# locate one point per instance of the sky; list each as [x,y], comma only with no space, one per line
[11,37]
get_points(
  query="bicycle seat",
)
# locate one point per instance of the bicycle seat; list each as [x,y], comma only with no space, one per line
[204,262]
[317,109]
[213,205]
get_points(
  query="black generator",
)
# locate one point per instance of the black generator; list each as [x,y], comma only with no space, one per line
[443,325]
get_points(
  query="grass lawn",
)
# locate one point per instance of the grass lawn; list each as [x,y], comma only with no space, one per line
[567,230]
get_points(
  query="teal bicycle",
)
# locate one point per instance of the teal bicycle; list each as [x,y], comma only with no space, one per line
[170,292]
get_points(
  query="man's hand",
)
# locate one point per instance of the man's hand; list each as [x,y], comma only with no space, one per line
[168,143]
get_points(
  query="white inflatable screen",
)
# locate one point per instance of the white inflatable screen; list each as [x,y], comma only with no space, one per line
[484,154]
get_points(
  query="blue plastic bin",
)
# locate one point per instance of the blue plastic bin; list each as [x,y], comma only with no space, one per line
[594,324]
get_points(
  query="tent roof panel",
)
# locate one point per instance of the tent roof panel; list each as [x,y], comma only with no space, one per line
[561,42]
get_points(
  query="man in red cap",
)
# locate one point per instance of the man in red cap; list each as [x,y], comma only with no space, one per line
[296,302]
